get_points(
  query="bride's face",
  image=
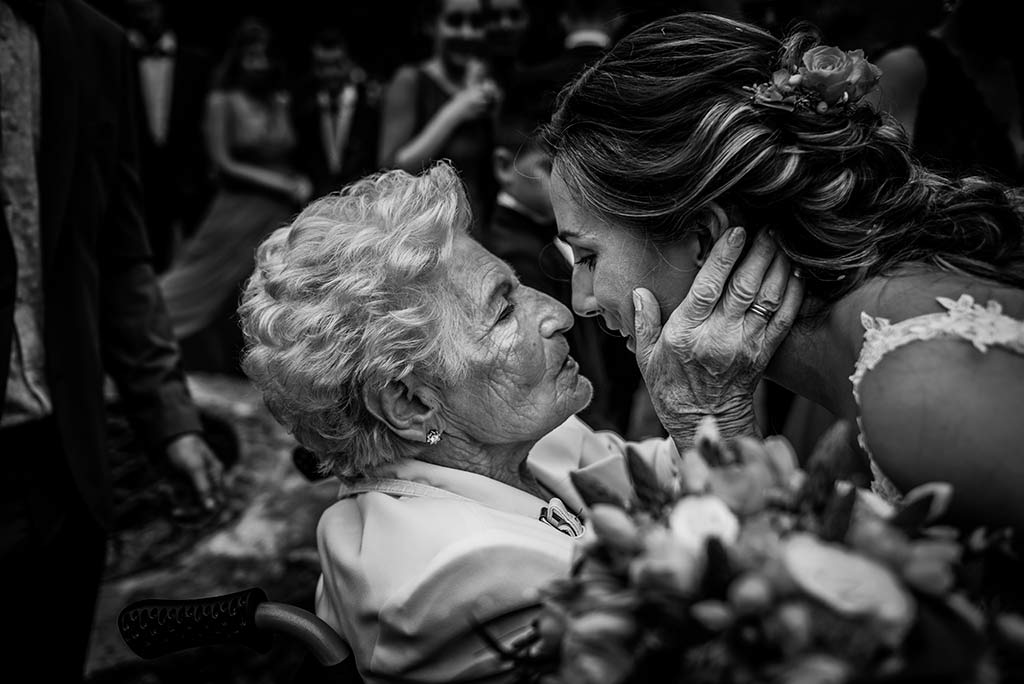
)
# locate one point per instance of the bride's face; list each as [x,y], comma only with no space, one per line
[610,261]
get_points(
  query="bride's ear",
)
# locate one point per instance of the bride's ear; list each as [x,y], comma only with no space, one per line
[408,407]
[711,222]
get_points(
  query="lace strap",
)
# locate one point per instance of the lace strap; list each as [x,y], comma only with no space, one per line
[982,326]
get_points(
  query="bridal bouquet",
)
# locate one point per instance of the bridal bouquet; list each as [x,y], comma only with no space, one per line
[745,568]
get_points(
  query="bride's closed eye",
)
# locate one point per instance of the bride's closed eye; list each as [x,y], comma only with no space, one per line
[587,260]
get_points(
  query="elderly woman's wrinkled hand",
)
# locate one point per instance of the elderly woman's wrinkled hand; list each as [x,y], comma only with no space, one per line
[714,348]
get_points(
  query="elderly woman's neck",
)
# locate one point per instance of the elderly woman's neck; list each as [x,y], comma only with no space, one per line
[502,462]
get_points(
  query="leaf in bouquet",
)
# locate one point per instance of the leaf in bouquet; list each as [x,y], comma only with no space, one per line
[922,505]
[816,668]
[746,449]
[666,568]
[644,479]
[594,653]
[817,488]
[593,491]
[782,458]
[713,615]
[694,473]
[750,594]
[708,442]
[744,487]
[835,520]
[718,570]
[1010,631]
[837,455]
[929,575]
[603,627]
[615,528]
[941,646]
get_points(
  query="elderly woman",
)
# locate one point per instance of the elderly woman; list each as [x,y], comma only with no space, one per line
[441,393]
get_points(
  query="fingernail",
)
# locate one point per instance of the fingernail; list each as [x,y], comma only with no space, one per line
[736,236]
[638,303]
[798,272]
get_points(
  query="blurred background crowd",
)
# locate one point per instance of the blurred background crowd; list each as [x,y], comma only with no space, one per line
[250,109]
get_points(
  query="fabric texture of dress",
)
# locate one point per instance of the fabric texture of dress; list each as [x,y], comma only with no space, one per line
[203,284]
[982,326]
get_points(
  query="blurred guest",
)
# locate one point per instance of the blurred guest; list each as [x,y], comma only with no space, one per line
[251,141]
[173,80]
[78,301]
[443,108]
[522,232]
[957,90]
[507,24]
[590,27]
[336,119]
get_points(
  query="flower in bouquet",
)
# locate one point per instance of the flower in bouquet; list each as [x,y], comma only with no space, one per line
[746,568]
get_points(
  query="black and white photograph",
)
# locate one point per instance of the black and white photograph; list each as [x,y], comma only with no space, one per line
[512,341]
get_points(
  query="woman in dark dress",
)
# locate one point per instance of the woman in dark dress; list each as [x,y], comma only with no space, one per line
[957,90]
[251,140]
[443,108]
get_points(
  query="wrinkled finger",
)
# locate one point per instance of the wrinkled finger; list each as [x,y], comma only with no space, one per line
[773,290]
[711,280]
[786,315]
[746,280]
[646,325]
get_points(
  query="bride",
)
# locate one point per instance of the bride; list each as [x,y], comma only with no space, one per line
[911,282]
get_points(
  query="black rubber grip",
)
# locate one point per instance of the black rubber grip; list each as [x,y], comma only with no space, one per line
[155,627]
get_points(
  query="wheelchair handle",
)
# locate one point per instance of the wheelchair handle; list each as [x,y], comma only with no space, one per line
[156,627]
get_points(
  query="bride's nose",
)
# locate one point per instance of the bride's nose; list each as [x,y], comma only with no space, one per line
[583,301]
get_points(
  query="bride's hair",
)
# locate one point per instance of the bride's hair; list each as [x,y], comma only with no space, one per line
[666,123]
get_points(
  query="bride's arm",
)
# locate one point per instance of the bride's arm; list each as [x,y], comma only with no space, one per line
[943,411]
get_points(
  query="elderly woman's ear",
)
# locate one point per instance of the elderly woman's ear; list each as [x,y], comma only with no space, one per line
[408,407]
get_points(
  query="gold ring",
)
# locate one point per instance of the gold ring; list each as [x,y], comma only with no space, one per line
[761,311]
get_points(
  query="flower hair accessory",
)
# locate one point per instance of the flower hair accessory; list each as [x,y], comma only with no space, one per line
[827,78]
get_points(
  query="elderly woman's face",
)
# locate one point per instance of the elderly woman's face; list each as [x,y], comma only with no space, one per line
[610,261]
[522,383]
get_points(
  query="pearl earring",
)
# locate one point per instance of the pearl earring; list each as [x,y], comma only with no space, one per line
[433,436]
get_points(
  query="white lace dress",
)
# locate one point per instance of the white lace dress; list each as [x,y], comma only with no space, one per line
[983,326]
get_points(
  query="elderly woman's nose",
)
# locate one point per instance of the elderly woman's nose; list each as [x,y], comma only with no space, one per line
[556,318]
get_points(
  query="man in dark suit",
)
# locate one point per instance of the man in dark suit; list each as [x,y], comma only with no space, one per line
[173,84]
[78,303]
[336,118]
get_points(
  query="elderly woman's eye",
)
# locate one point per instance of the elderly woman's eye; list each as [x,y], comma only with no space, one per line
[507,312]
[587,260]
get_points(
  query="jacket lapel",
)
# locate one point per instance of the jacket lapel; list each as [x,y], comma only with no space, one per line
[59,124]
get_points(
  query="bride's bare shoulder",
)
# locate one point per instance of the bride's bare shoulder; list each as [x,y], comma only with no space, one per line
[942,409]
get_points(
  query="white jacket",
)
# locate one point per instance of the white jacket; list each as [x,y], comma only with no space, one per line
[408,561]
